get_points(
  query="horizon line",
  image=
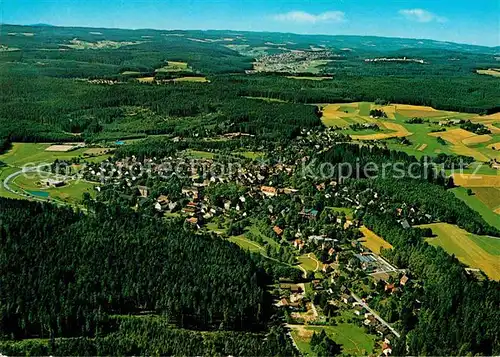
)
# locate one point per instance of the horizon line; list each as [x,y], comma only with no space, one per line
[249,31]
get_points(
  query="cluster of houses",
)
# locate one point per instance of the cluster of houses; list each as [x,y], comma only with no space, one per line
[291,61]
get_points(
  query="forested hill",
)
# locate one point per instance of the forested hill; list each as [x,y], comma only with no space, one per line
[64,274]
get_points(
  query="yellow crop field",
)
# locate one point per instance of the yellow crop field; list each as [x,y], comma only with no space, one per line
[456,137]
[310,78]
[476,180]
[399,131]
[420,113]
[373,241]
[146,79]
[468,248]
[331,116]
[414,107]
[191,79]
[422,147]
[477,139]
[493,129]
[177,64]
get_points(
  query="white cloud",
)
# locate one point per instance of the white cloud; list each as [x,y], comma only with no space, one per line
[421,15]
[305,17]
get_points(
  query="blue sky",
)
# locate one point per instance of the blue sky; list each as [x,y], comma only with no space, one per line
[464,21]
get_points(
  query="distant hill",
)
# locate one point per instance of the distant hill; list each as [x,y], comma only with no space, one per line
[299,41]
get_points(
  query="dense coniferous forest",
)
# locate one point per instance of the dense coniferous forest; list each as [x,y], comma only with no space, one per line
[81,268]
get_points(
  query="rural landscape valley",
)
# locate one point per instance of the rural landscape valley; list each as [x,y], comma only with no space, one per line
[243,193]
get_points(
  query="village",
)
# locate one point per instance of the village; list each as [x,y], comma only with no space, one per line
[268,209]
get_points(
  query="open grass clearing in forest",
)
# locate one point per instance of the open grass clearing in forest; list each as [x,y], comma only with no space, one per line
[198,154]
[490,196]
[345,210]
[310,78]
[353,338]
[246,244]
[309,262]
[191,79]
[479,252]
[495,72]
[5,171]
[477,202]
[174,66]
[21,154]
[146,79]
[372,241]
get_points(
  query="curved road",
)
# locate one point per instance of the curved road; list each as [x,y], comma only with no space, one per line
[12,176]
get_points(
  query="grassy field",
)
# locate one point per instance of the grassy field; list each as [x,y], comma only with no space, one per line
[247,244]
[347,211]
[479,252]
[495,72]
[22,154]
[310,78]
[71,193]
[490,196]
[373,241]
[28,153]
[309,263]
[174,66]
[191,79]
[354,340]
[477,202]
[477,180]
[253,155]
[200,154]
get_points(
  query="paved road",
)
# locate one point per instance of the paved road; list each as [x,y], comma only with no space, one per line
[9,178]
[377,316]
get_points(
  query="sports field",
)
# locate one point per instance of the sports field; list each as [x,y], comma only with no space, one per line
[479,252]
[372,241]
